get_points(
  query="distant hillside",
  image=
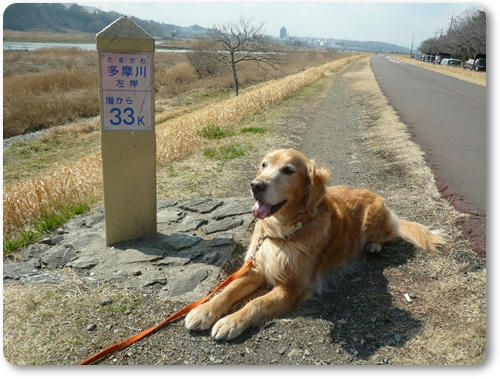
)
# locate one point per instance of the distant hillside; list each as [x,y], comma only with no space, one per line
[73,18]
[371,46]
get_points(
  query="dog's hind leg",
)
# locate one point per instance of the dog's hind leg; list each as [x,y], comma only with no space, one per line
[380,225]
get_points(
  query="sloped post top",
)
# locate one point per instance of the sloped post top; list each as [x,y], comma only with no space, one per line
[124,27]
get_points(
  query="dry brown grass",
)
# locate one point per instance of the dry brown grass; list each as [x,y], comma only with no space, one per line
[476,77]
[25,200]
[24,36]
[50,86]
[38,100]
[452,306]
[176,137]
[47,322]
[18,62]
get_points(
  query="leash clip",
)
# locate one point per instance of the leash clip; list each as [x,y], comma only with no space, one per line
[252,257]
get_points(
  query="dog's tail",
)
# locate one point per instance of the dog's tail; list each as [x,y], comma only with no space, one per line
[420,235]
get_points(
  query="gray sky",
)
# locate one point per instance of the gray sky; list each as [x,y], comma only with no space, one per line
[365,21]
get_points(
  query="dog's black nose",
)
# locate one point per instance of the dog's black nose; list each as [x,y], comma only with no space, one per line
[257,186]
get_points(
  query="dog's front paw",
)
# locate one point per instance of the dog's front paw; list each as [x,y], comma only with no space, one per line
[200,318]
[228,328]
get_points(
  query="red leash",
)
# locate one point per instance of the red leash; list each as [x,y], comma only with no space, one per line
[130,340]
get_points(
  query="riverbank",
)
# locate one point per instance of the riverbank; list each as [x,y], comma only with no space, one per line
[344,122]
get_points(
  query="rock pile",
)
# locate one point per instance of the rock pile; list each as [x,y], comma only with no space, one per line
[195,239]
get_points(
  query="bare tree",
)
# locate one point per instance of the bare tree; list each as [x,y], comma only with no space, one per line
[239,42]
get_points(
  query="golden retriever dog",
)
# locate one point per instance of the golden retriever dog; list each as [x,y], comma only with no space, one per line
[305,230]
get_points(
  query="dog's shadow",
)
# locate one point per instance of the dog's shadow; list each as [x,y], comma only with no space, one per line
[359,305]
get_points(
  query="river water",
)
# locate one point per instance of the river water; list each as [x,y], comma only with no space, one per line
[83,46]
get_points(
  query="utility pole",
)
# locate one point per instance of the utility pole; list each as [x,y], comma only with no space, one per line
[411,49]
[451,23]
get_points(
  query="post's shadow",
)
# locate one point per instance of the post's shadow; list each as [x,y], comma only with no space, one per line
[189,248]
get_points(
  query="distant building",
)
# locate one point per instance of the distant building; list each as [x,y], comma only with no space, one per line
[283,33]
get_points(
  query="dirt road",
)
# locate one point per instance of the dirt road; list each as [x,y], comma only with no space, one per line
[365,317]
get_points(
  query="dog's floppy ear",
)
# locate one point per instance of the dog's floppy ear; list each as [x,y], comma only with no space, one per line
[315,186]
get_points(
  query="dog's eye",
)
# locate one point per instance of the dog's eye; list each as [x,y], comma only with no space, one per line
[287,170]
[263,164]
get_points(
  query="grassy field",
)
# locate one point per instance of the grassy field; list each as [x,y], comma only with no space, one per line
[52,86]
[63,169]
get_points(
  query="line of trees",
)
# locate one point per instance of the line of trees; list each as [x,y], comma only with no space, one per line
[465,38]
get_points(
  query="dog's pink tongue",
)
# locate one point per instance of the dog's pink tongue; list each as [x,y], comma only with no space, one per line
[261,210]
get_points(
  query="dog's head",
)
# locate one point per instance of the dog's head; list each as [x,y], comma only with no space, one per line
[287,183]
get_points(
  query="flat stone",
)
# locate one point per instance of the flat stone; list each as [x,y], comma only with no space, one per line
[52,241]
[190,253]
[221,240]
[166,203]
[233,207]
[46,276]
[179,241]
[84,262]
[37,262]
[59,256]
[86,241]
[190,283]
[18,270]
[222,225]
[75,224]
[209,258]
[201,205]
[36,250]
[93,220]
[169,216]
[173,261]
[133,256]
[153,278]
[190,224]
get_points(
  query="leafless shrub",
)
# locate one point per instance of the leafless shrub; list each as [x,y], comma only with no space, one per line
[233,43]
[202,58]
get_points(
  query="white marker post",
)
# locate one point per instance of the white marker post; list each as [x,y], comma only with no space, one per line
[128,142]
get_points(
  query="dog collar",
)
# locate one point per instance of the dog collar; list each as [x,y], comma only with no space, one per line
[297,226]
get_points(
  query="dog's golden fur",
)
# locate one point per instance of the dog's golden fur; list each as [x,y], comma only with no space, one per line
[338,223]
